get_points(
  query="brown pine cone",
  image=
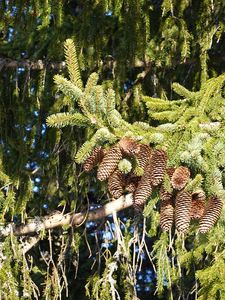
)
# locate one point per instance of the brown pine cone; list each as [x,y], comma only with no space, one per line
[198,204]
[165,195]
[157,166]
[170,171]
[144,156]
[183,211]
[166,214]
[132,184]
[197,209]
[180,178]
[109,163]
[211,214]
[116,183]
[198,195]
[143,191]
[129,146]
[166,205]
[95,158]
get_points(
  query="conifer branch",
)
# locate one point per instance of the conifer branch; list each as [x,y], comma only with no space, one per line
[73,219]
[72,63]
[68,88]
[60,120]
[101,135]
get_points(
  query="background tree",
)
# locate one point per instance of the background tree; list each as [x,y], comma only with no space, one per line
[138,49]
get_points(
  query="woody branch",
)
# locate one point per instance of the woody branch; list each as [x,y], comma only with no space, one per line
[73,219]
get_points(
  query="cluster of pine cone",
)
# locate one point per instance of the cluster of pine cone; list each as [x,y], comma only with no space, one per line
[182,206]
[177,204]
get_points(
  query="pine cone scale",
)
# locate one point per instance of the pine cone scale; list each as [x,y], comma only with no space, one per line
[165,195]
[132,184]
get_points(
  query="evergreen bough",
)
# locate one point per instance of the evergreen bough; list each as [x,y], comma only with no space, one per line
[190,130]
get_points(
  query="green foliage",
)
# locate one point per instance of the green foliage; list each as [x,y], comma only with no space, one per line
[152,215]
[72,63]
[13,266]
[65,119]
[125,166]
[69,89]
[135,48]
[102,135]
[198,123]
[100,287]
[7,203]
[164,269]
[211,281]
[189,134]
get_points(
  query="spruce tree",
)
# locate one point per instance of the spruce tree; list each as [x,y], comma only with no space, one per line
[111,106]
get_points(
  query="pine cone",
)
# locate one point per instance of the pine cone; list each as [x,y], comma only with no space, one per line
[165,195]
[198,195]
[211,214]
[129,146]
[109,163]
[157,166]
[143,191]
[170,171]
[183,210]
[144,156]
[132,184]
[95,158]
[197,209]
[166,214]
[198,204]
[180,178]
[116,184]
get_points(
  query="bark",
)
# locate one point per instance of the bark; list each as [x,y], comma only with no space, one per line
[73,219]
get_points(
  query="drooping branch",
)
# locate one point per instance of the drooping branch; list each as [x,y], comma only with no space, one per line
[73,219]
[29,64]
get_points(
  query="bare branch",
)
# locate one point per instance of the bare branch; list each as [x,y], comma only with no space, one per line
[28,64]
[29,242]
[73,219]
[138,80]
[40,64]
